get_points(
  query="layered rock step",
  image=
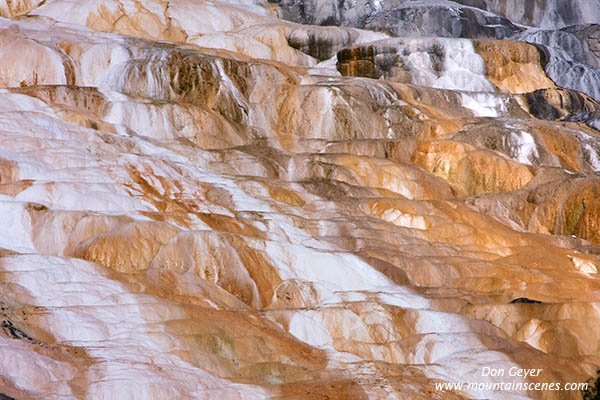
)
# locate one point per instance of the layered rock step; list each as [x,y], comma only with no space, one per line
[201,200]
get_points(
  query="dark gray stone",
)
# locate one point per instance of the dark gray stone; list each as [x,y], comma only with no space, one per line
[560,104]
[320,42]
[591,119]
[525,300]
[13,331]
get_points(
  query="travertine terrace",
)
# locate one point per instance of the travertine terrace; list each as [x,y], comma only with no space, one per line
[298,199]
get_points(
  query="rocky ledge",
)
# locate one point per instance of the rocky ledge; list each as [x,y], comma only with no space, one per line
[209,199]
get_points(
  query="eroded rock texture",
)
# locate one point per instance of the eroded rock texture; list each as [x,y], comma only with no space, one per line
[200,200]
[476,16]
[566,32]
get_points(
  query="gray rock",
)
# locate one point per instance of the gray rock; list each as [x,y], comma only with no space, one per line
[401,17]
[573,56]
[568,73]
[542,13]
[548,14]
[580,42]
[320,42]
[591,119]
[443,21]
[326,12]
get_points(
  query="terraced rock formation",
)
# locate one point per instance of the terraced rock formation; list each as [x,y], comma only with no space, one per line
[213,199]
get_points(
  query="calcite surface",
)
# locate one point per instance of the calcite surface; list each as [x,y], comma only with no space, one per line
[207,199]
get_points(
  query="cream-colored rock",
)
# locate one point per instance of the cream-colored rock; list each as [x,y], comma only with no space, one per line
[26,63]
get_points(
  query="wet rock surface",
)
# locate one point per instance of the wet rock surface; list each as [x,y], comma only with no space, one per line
[547,14]
[580,42]
[401,17]
[566,33]
[572,56]
[442,21]
[203,200]
[564,104]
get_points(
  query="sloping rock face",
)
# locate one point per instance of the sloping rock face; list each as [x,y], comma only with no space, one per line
[200,200]
[480,14]
[402,17]
[573,55]
[548,14]
[566,32]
